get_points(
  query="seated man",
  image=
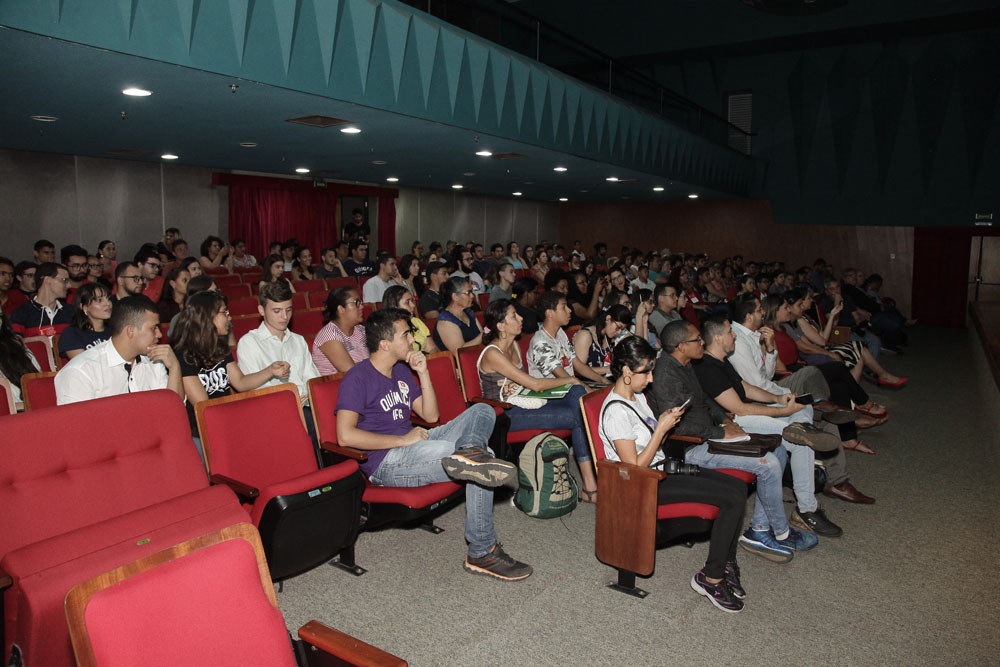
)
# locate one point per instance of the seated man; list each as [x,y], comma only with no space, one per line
[674,382]
[359,265]
[373,413]
[387,276]
[431,305]
[273,341]
[665,302]
[132,360]
[551,355]
[331,266]
[850,316]
[46,313]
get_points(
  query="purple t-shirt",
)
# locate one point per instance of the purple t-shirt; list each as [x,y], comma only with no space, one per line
[383,404]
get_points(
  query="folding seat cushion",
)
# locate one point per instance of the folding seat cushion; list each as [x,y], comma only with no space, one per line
[38,390]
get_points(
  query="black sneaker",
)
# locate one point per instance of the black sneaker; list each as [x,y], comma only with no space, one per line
[475,464]
[815,522]
[498,564]
[718,594]
[733,580]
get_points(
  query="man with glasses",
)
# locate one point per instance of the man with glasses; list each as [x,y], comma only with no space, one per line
[10,299]
[665,311]
[464,270]
[74,258]
[128,280]
[46,314]
[148,261]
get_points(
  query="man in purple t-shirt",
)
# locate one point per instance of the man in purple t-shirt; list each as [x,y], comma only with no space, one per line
[373,413]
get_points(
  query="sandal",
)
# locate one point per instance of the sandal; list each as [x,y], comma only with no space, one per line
[588,496]
[859,447]
[875,410]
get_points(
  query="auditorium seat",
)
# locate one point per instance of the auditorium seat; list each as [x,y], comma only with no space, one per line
[228,280]
[314,285]
[7,405]
[41,347]
[307,322]
[38,390]
[243,306]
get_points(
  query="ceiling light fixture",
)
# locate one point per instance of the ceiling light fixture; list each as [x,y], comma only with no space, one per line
[484,153]
[658,188]
[563,199]
[302,170]
[457,186]
[611,179]
[137,92]
[45,119]
[350,130]
[392,179]
[692,196]
[559,169]
[168,156]
[248,144]
[516,194]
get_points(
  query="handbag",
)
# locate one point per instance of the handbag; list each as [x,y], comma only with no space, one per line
[757,446]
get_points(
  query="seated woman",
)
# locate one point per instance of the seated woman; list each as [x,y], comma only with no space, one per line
[501,374]
[215,253]
[192,266]
[107,252]
[524,295]
[595,341]
[172,297]
[273,270]
[457,325]
[514,256]
[16,360]
[95,272]
[631,433]
[86,329]
[811,341]
[541,266]
[207,365]
[409,273]
[584,300]
[341,342]
[302,265]
[397,296]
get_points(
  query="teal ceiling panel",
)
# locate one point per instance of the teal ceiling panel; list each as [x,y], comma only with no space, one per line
[528,123]
[325,13]
[477,58]
[520,74]
[239,14]
[308,63]
[187,10]
[424,36]
[346,78]
[286,14]
[557,98]
[262,50]
[361,18]
[488,119]
[451,46]
[440,100]
[381,80]
[510,117]
[546,135]
[395,26]
[464,112]
[539,83]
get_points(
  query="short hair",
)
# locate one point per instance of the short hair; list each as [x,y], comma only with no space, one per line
[633,352]
[130,311]
[744,305]
[433,267]
[476,245]
[278,291]
[47,270]
[236,242]
[495,246]
[145,254]
[340,243]
[172,230]
[713,326]
[122,267]
[385,257]
[44,243]
[326,250]
[355,243]
[100,246]
[337,298]
[381,325]
[674,333]
[435,245]
[357,210]
[598,246]
[660,289]
[451,287]
[8,262]
[549,301]
[177,242]
[71,250]
[23,266]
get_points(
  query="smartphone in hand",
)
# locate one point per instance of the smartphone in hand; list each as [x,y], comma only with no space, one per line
[804,399]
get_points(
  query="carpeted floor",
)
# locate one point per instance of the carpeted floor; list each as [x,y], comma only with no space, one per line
[914,580]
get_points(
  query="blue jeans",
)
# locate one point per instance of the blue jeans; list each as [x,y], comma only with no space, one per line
[769,511]
[420,464]
[802,457]
[871,341]
[562,413]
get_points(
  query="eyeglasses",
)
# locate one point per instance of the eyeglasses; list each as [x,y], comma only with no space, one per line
[6,273]
[96,265]
[699,339]
[224,312]
[155,265]
[467,292]
[63,280]
[355,302]
[138,279]
[76,266]
[648,369]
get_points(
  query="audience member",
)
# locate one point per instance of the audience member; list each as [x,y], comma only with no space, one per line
[74,258]
[16,360]
[107,252]
[273,271]
[481,264]
[359,265]
[409,274]
[388,274]
[287,252]
[540,267]
[174,291]
[191,265]
[241,259]
[45,251]
[330,266]
[302,265]
[88,326]
[464,270]
[148,261]
[457,325]
[358,227]
[215,253]
[128,280]
[341,342]
[45,312]
[595,340]
[397,296]
[24,274]
[431,304]
[95,272]
[10,298]
[514,255]
[551,354]
[503,286]
[524,294]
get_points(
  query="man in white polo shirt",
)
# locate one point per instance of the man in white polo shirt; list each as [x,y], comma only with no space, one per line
[132,360]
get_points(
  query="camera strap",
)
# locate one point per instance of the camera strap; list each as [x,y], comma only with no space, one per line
[626,404]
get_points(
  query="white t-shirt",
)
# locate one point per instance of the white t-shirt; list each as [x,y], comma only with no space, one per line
[618,422]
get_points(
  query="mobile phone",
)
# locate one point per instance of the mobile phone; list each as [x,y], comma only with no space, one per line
[804,399]
[683,405]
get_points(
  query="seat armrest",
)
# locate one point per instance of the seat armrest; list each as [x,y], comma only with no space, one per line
[503,405]
[417,421]
[244,491]
[347,648]
[692,439]
[5,580]
[345,452]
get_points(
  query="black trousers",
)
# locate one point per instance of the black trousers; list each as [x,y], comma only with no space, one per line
[843,387]
[711,488]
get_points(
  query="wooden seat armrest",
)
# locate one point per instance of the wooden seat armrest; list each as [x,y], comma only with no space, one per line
[345,452]
[241,489]
[503,405]
[418,421]
[347,648]
[5,580]
[693,439]
[782,374]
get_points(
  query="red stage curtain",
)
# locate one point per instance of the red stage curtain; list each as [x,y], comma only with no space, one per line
[387,223]
[262,210]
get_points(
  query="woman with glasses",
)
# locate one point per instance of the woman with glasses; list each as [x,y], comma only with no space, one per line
[397,296]
[95,272]
[341,342]
[595,341]
[87,328]
[207,365]
[457,325]
[631,433]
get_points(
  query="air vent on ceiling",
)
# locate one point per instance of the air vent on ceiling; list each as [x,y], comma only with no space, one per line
[318,121]
[507,156]
[130,152]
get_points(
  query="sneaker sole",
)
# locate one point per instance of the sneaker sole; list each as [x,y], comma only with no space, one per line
[766,552]
[797,522]
[821,442]
[493,474]
[840,416]
[474,569]
[701,591]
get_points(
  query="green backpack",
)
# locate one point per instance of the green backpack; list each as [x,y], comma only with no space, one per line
[545,487]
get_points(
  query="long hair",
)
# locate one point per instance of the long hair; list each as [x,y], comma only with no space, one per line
[197,340]
[167,295]
[393,295]
[337,298]
[496,312]
[771,304]
[14,359]
[270,261]
[404,266]
[86,295]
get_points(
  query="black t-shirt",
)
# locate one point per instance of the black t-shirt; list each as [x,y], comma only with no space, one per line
[716,376]
[366,268]
[215,380]
[73,338]
[530,317]
[430,300]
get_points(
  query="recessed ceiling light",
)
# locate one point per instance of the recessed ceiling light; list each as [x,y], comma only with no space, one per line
[350,130]
[45,119]
[378,161]
[516,194]
[559,169]
[168,156]
[692,196]
[611,179]
[248,144]
[392,179]
[137,92]
[457,186]
[658,188]
[469,173]
[483,153]
[302,170]
[563,199]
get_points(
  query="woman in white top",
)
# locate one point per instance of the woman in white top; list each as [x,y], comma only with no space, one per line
[630,433]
